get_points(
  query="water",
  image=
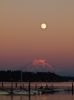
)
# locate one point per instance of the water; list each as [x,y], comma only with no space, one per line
[54,96]
[25,84]
[60,96]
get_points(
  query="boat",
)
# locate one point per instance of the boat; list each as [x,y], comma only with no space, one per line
[24,92]
[3,92]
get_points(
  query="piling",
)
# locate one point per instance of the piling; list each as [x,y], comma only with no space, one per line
[11,88]
[29,90]
[72,88]
[2,85]
[16,85]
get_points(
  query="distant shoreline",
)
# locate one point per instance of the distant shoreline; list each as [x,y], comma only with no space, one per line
[20,76]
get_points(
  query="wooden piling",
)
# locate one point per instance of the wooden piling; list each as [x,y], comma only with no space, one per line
[35,86]
[72,88]
[2,85]
[29,90]
[23,85]
[11,87]
[16,85]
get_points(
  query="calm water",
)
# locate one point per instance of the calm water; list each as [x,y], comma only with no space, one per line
[55,96]
[25,84]
[41,97]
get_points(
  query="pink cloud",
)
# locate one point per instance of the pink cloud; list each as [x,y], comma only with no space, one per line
[42,62]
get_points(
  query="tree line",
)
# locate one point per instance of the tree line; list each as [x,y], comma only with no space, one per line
[16,76]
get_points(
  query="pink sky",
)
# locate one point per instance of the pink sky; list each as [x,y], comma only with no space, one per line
[22,40]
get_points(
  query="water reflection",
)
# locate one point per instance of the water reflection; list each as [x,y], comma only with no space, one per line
[12,97]
[61,96]
[29,97]
[20,97]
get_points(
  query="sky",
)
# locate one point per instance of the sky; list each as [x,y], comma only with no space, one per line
[22,40]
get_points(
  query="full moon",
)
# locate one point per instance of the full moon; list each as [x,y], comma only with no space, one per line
[43,26]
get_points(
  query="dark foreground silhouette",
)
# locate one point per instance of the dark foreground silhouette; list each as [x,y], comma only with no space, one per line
[16,76]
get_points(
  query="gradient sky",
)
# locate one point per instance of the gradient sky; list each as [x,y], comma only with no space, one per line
[22,40]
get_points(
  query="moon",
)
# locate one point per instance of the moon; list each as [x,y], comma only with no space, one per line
[43,26]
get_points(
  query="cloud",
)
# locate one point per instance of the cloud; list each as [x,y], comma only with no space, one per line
[42,62]
[41,65]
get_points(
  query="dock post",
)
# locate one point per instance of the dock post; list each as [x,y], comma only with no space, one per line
[23,85]
[2,85]
[35,86]
[72,88]
[11,87]
[29,90]
[16,85]
[52,87]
